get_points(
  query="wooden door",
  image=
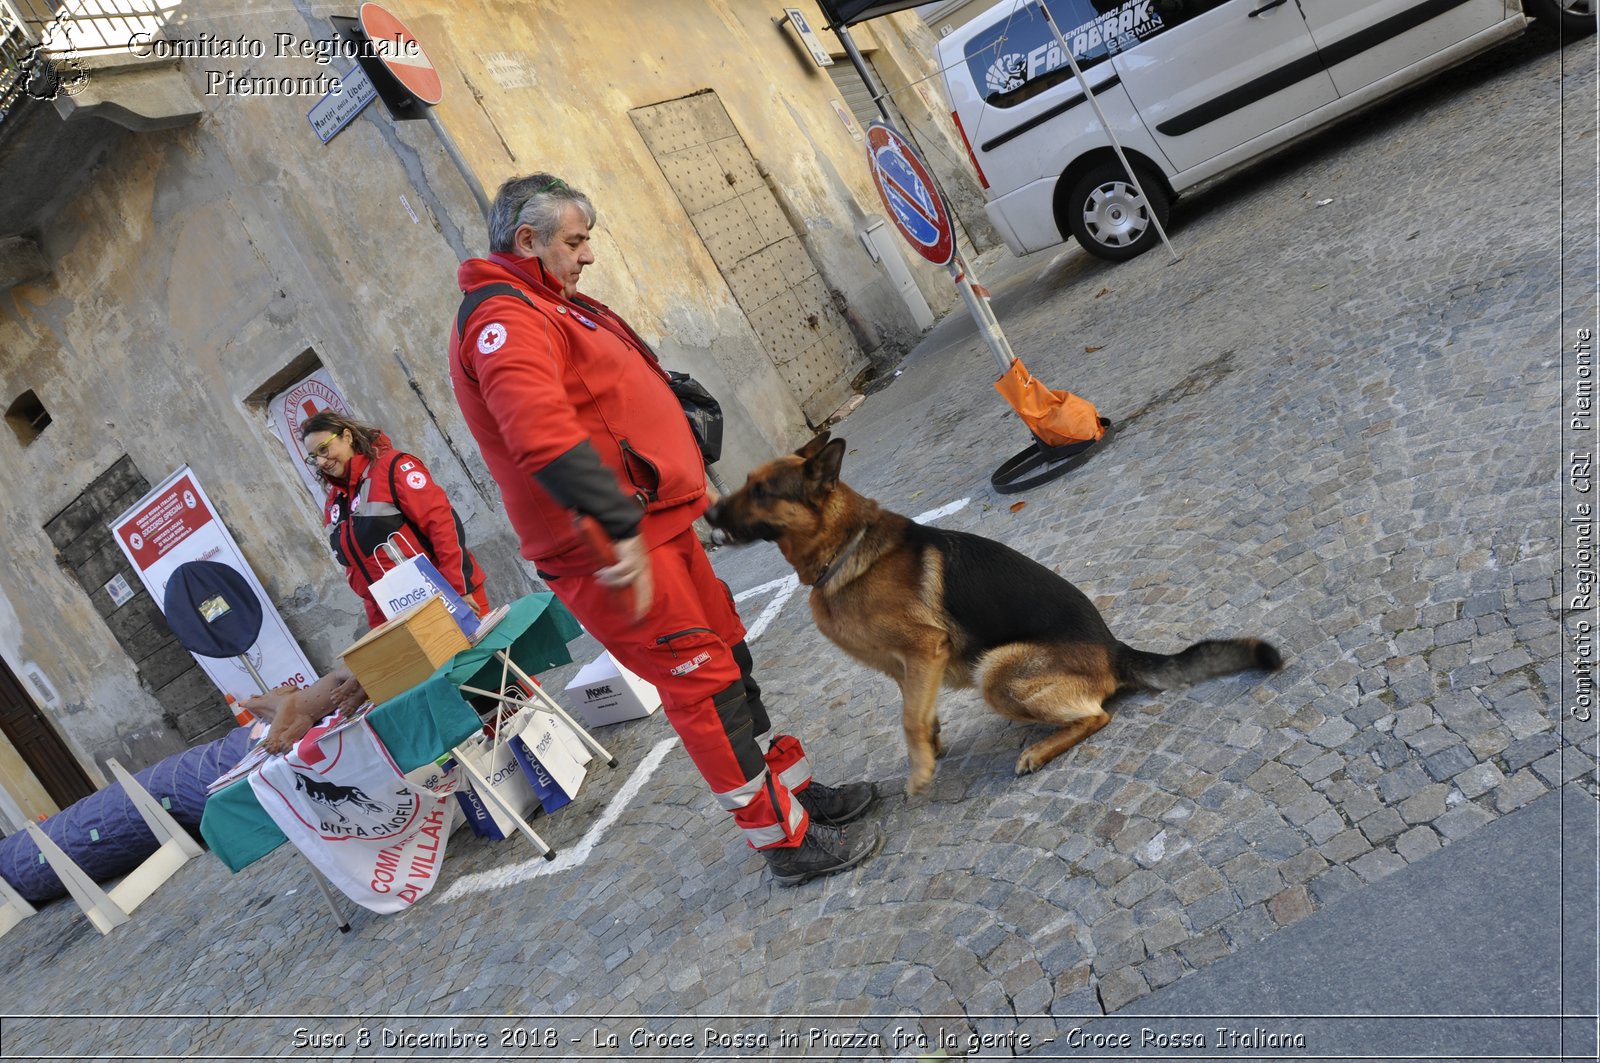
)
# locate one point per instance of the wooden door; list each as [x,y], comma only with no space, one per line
[757,249]
[38,744]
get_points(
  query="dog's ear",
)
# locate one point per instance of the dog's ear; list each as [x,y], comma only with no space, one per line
[822,468]
[813,448]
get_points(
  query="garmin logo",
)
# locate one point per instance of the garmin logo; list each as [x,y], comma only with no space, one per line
[590,693]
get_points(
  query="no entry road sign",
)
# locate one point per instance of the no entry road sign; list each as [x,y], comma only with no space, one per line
[909,194]
[400,53]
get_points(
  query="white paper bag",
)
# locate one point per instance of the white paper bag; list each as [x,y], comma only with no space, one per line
[413,581]
[499,766]
[542,744]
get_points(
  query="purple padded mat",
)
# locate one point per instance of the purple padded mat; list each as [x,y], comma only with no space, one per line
[105,835]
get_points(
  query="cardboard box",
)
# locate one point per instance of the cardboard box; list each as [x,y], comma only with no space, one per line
[401,653]
[605,692]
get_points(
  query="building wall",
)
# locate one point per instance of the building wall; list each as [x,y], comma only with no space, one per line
[945,17]
[200,264]
[556,95]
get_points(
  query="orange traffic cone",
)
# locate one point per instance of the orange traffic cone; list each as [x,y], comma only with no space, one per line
[240,713]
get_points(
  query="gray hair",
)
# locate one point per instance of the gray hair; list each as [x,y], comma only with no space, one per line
[537,200]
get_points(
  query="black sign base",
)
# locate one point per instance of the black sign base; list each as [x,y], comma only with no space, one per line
[403,107]
[1012,476]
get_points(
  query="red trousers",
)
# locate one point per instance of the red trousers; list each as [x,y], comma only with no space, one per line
[691,647]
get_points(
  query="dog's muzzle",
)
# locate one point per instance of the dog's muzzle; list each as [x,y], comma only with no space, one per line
[727,531]
[714,516]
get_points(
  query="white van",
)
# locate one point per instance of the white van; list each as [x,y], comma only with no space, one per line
[1192,88]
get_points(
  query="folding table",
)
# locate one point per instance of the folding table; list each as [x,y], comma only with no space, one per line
[429,721]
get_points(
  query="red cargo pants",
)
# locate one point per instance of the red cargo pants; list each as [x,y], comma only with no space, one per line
[691,647]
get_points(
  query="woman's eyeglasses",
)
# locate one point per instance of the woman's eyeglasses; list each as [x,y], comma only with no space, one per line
[319,451]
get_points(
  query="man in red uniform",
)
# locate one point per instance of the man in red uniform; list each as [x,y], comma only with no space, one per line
[575,419]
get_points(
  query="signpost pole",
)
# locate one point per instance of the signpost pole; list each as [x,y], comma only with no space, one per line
[918,207]
[983,314]
[1116,145]
[960,275]
[460,160]
[406,80]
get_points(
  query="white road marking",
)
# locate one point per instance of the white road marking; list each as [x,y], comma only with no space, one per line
[942,512]
[786,586]
[567,858]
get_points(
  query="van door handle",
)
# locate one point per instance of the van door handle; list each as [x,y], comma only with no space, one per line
[1267,7]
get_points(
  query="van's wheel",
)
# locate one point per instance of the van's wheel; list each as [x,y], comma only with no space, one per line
[1573,18]
[1106,214]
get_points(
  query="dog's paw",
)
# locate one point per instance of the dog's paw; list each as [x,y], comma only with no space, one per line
[1028,763]
[918,783]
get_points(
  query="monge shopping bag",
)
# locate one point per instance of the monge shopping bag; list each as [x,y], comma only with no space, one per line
[545,747]
[413,581]
[501,769]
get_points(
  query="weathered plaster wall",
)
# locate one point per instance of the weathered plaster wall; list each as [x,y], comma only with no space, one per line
[197,263]
[591,62]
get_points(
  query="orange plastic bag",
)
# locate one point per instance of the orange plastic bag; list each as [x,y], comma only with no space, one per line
[1056,417]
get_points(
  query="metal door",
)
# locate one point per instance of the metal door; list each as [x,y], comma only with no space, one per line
[758,251]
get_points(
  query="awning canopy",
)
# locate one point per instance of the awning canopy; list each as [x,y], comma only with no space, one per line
[849,12]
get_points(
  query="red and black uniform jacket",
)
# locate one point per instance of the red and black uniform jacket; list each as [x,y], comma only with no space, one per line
[571,412]
[392,497]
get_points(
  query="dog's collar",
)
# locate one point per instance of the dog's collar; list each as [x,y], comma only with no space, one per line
[844,555]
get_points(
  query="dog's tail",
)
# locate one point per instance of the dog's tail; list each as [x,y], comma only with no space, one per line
[1203,660]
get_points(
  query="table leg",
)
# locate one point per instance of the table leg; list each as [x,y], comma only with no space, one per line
[327,895]
[485,791]
[551,704]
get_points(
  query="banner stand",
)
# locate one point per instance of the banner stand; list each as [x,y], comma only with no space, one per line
[196,574]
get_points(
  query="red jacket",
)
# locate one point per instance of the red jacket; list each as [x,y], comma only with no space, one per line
[393,494]
[536,379]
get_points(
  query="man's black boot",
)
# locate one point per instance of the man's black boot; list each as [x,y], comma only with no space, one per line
[823,851]
[834,806]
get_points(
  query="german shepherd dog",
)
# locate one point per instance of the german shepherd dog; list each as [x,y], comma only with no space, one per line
[927,606]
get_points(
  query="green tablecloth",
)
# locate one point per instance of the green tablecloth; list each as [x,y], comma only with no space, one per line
[418,726]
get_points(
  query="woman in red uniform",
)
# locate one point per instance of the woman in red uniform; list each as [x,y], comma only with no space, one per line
[378,495]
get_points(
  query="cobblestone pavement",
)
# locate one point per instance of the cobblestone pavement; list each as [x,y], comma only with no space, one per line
[1337,430]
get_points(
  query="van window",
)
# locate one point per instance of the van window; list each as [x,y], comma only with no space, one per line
[1018,57]
[1174,12]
